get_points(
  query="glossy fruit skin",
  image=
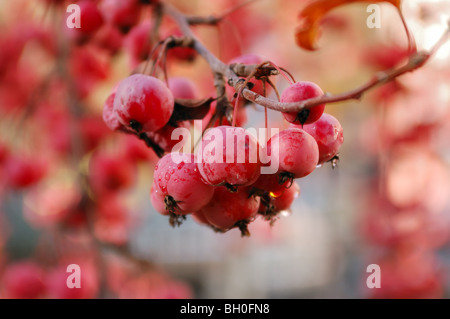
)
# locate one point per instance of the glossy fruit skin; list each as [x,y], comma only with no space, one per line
[143,103]
[215,170]
[227,208]
[272,204]
[285,200]
[298,152]
[271,183]
[301,91]
[329,135]
[110,117]
[200,218]
[182,181]
[157,200]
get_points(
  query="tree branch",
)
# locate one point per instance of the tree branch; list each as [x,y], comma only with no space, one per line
[416,60]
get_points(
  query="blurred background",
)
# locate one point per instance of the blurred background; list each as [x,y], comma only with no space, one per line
[73,191]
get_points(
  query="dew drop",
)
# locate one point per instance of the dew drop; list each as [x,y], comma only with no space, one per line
[286,213]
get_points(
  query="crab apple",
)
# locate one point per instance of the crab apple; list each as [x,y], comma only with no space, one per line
[91,18]
[177,177]
[143,103]
[137,42]
[88,66]
[329,135]
[301,91]
[23,171]
[24,280]
[110,117]
[122,14]
[229,156]
[285,200]
[272,204]
[298,152]
[163,136]
[227,209]
[182,88]
[271,183]
[200,218]
[109,174]
[157,198]
[109,38]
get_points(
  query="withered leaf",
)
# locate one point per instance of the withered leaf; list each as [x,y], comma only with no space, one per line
[307,32]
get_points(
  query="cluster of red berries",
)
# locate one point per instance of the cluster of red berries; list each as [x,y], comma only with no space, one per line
[223,184]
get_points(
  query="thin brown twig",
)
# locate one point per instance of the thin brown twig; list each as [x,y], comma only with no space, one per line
[215,19]
[416,60]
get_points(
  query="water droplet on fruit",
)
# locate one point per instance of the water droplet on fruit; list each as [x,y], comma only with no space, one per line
[286,213]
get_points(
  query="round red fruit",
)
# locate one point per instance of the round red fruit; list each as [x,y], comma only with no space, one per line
[182,88]
[143,103]
[109,117]
[272,183]
[297,152]
[123,14]
[227,209]
[229,156]
[177,178]
[137,42]
[329,135]
[301,91]
[91,18]
[163,137]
